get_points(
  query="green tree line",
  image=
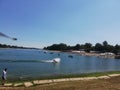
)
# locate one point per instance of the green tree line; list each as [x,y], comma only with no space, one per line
[9,46]
[87,47]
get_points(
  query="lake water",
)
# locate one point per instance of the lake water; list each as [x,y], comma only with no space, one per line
[26,63]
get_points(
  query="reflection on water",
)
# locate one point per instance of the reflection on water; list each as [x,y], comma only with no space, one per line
[56,66]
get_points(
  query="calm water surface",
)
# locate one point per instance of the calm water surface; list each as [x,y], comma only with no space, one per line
[26,63]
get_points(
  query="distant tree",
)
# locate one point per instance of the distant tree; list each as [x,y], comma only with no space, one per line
[105,46]
[105,43]
[88,47]
[60,47]
[82,46]
[116,49]
[98,47]
[109,48]
[77,47]
[70,48]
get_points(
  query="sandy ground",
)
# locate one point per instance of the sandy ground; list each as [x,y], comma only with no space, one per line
[100,84]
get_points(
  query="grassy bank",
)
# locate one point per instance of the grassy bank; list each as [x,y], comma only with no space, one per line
[97,74]
[112,83]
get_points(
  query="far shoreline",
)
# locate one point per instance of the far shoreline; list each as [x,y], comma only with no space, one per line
[107,55]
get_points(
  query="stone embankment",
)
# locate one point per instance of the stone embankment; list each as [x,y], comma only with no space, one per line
[96,54]
[41,82]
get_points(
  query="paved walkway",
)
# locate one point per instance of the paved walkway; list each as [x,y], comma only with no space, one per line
[41,82]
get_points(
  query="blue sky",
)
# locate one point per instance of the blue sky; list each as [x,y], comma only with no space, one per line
[39,23]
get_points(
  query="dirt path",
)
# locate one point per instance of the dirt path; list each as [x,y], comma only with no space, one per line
[100,84]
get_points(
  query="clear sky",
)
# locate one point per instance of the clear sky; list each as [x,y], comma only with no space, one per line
[39,23]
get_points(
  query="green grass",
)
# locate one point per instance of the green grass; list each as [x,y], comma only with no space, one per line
[97,74]
[81,75]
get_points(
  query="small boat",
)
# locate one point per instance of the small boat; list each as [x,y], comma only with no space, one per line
[70,56]
[45,52]
[58,54]
[51,52]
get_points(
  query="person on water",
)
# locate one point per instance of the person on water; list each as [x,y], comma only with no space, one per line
[4,76]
